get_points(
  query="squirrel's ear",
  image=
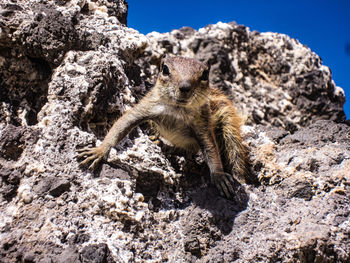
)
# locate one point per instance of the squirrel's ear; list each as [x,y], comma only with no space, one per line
[205,75]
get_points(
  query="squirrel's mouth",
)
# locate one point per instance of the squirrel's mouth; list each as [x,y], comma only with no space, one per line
[182,101]
[183,98]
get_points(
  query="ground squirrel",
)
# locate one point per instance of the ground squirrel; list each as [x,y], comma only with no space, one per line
[191,115]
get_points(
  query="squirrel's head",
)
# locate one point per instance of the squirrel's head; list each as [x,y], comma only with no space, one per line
[183,81]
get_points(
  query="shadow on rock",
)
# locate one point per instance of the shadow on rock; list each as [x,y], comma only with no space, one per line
[209,217]
[222,210]
[203,195]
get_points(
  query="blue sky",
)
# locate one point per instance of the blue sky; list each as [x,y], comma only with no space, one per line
[323,25]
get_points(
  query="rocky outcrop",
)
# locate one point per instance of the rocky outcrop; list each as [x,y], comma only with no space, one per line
[69,68]
[272,78]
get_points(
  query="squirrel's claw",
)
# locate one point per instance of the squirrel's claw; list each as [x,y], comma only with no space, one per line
[225,183]
[90,155]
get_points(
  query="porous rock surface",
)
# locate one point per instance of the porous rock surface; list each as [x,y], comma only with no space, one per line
[69,68]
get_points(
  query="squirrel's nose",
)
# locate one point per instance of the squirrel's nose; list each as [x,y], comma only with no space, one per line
[185,87]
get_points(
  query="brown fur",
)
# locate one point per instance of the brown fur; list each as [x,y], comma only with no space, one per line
[190,115]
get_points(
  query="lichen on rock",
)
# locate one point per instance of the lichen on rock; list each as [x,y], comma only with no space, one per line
[68,69]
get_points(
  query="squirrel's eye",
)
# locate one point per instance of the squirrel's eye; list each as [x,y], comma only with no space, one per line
[165,70]
[205,75]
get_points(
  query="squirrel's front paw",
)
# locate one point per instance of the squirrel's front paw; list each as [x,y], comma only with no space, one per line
[225,183]
[91,155]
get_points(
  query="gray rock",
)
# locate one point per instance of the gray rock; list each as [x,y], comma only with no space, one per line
[69,68]
[98,253]
[11,142]
[58,187]
[10,180]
